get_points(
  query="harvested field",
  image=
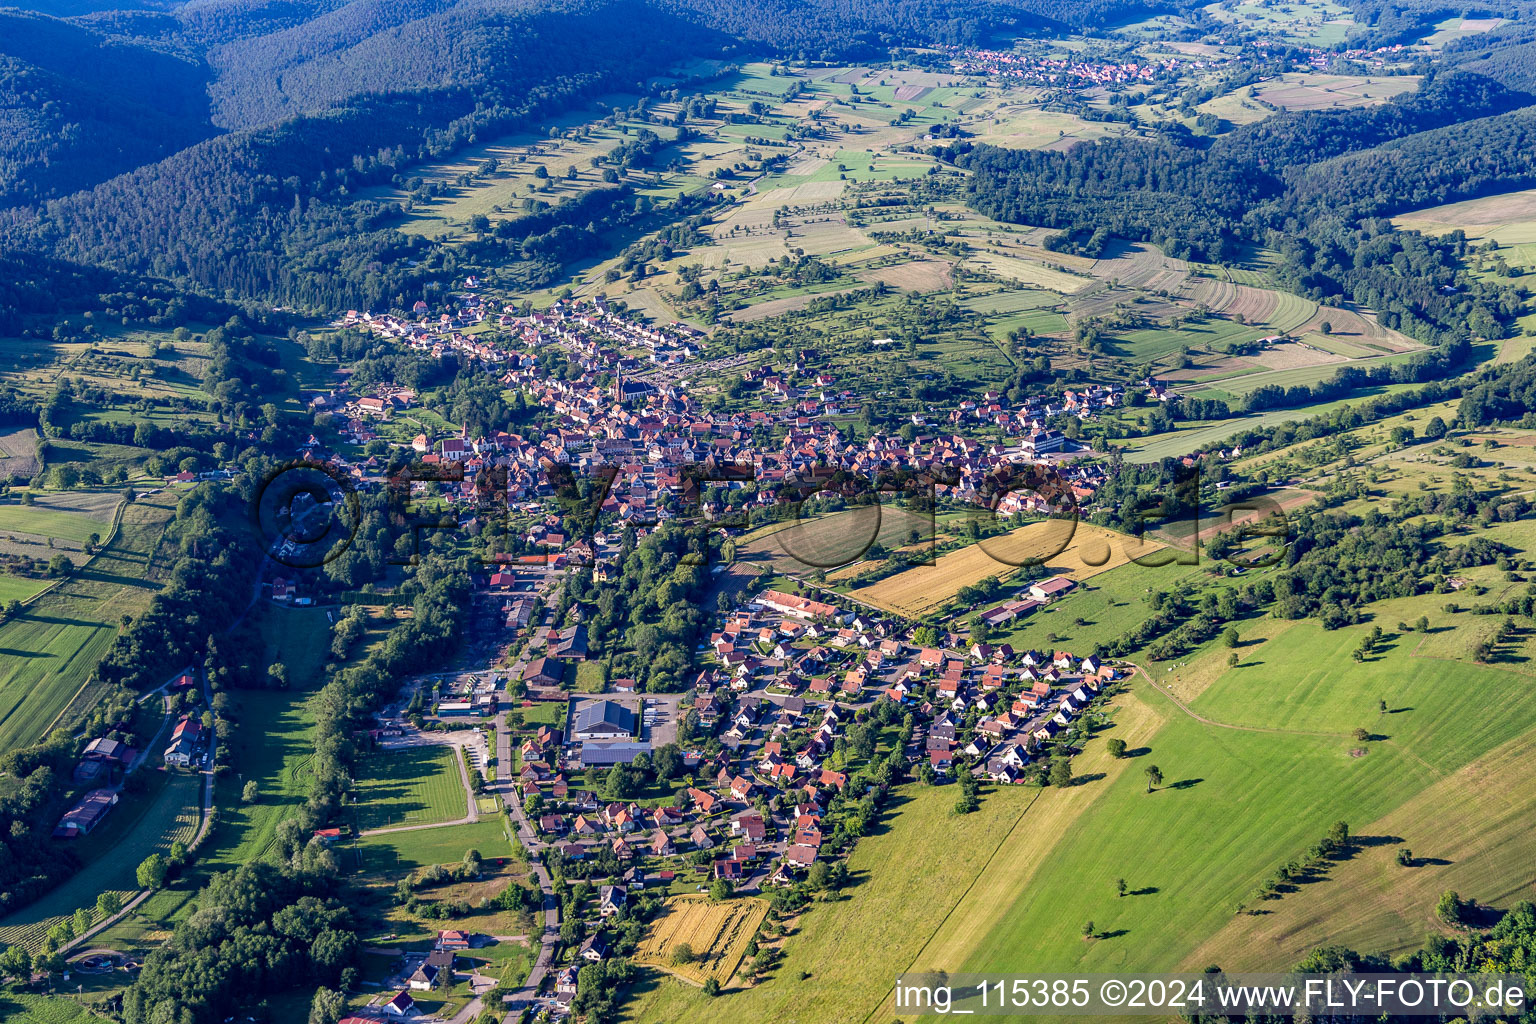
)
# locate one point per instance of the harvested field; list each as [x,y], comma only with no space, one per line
[716,933]
[1505,217]
[1254,305]
[835,539]
[829,234]
[1357,327]
[1218,295]
[1025,272]
[1077,553]
[1289,355]
[1104,300]
[1322,92]
[1140,265]
[18,453]
[773,307]
[1290,312]
[911,92]
[917,276]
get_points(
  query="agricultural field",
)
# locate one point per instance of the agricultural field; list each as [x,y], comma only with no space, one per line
[1509,219]
[66,630]
[393,854]
[56,521]
[1109,604]
[826,542]
[34,1008]
[1022,125]
[1307,91]
[273,748]
[152,375]
[408,786]
[1029,274]
[168,811]
[1075,550]
[18,453]
[1304,22]
[716,933]
[791,193]
[1198,436]
[1454,28]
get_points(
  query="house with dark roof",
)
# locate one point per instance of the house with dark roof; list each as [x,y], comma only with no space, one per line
[594,948]
[571,644]
[80,819]
[544,672]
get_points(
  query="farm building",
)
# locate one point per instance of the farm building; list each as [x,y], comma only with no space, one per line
[102,755]
[459,708]
[80,819]
[799,607]
[1047,590]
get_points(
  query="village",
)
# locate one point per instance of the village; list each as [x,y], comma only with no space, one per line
[656,432]
[752,765]
[740,784]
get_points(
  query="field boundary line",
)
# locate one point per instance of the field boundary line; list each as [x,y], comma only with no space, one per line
[117,518]
[1228,725]
[1023,812]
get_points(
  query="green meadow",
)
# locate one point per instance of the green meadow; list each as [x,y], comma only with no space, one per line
[408,786]
[53,645]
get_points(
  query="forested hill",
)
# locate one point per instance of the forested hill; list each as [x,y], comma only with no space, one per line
[1506,54]
[495,49]
[1446,165]
[1288,141]
[1202,202]
[865,29]
[263,212]
[93,89]
[78,106]
[325,99]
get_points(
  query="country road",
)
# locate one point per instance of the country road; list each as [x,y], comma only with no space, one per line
[506,785]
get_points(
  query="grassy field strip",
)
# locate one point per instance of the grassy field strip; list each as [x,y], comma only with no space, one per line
[274,753]
[116,849]
[1198,437]
[1010,871]
[395,853]
[66,630]
[1253,800]
[1470,832]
